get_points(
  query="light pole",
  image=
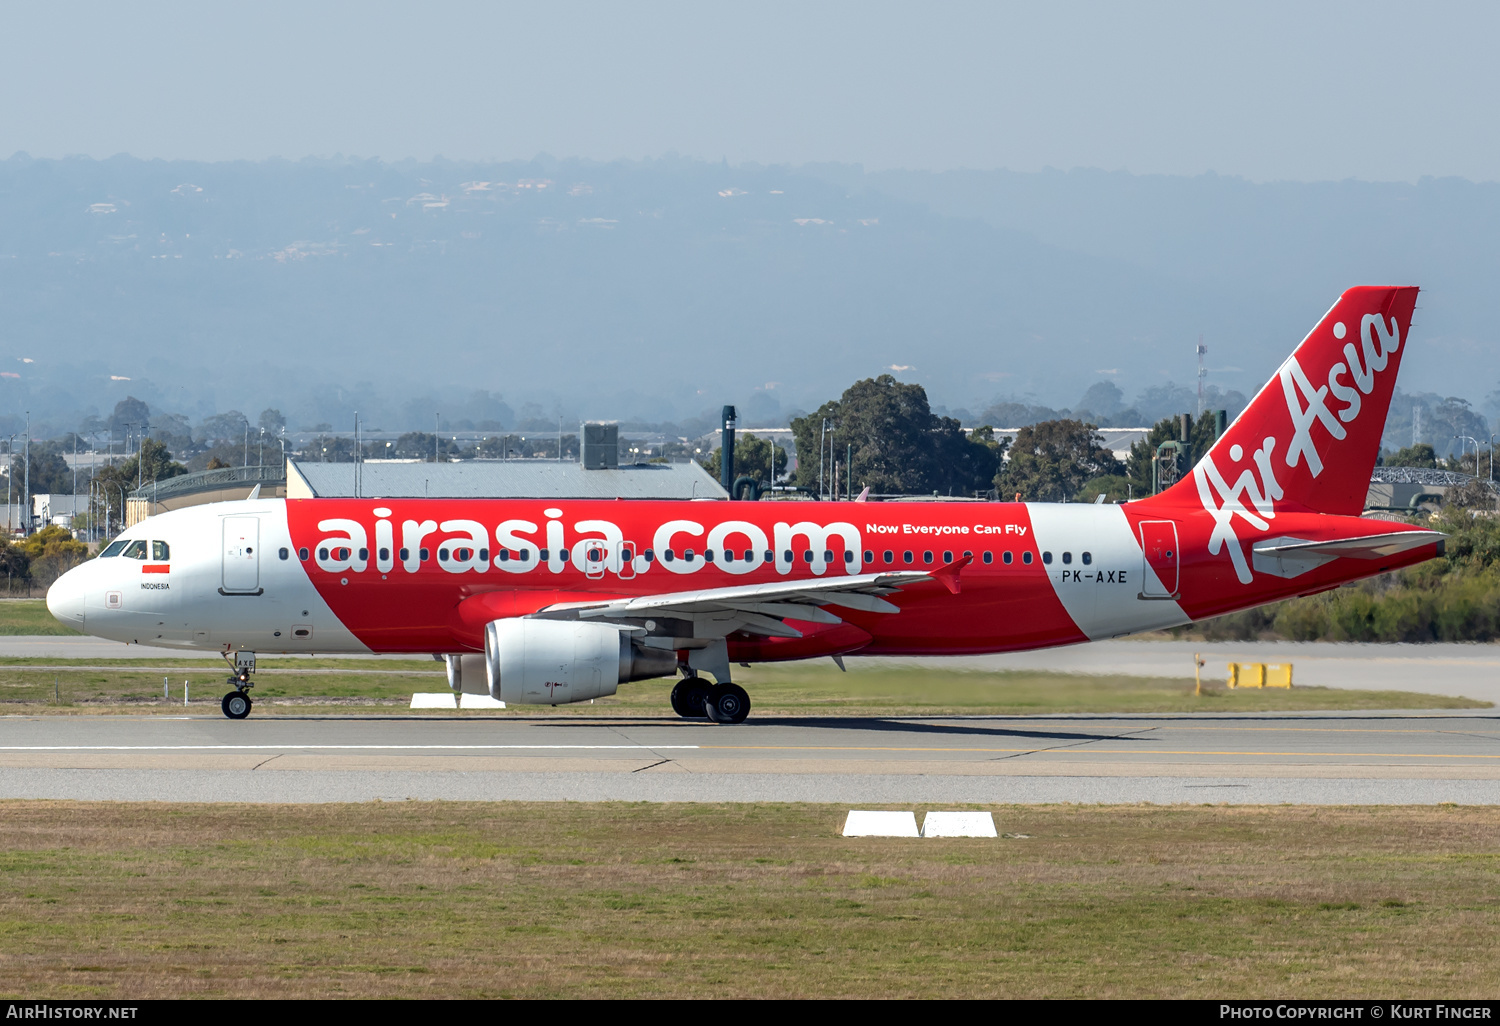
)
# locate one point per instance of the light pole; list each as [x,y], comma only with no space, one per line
[1492,459]
[1469,438]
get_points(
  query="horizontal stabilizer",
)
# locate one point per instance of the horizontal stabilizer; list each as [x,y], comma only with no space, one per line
[1292,557]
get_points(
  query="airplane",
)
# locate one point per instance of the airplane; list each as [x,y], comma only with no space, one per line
[548,601]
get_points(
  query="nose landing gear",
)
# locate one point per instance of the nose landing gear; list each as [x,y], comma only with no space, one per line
[237,704]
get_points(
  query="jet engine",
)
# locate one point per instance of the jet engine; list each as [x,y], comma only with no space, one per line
[551,662]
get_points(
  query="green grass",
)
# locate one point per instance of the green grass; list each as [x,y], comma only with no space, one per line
[807,688]
[29,616]
[432,899]
[798,689]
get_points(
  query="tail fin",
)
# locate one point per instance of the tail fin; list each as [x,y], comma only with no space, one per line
[1310,437]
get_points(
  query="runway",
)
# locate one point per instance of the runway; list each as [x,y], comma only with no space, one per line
[1302,758]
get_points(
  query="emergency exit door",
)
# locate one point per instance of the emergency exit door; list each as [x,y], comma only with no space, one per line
[1159,547]
[241,556]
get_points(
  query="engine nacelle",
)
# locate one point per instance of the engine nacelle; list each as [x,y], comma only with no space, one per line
[551,662]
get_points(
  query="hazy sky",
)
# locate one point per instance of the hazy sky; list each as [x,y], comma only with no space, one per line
[1264,90]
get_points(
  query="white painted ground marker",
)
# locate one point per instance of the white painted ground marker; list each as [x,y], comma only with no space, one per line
[434,700]
[862,823]
[479,702]
[959,824]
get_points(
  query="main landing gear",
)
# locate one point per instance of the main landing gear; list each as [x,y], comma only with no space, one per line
[237,704]
[721,703]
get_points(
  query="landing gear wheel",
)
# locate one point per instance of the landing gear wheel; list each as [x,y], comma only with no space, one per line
[688,696]
[236,705]
[727,703]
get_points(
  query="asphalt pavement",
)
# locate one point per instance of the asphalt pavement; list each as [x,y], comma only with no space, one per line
[1303,758]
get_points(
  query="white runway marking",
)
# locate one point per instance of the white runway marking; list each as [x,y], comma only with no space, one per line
[325,748]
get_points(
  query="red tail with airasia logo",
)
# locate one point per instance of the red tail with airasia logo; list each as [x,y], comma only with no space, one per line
[1296,461]
[536,600]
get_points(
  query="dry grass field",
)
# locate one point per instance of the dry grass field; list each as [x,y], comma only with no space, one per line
[424,900]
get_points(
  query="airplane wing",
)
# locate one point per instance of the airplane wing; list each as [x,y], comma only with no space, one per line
[756,608]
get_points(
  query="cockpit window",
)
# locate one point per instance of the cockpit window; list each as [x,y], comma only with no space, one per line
[159,550]
[135,550]
[113,549]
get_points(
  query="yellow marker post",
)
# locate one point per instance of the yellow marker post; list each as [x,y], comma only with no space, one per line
[1198,665]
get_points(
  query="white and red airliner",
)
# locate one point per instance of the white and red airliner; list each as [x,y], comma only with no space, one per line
[553,601]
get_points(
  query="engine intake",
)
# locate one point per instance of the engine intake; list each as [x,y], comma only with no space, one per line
[552,662]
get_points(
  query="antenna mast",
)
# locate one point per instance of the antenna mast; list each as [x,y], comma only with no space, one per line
[1202,373]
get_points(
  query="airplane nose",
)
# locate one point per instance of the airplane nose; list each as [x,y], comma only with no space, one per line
[65,599]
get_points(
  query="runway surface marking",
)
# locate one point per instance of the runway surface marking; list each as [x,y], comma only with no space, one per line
[1078,750]
[1066,750]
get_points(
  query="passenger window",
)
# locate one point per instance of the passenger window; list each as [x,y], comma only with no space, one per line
[546,554]
[135,550]
[405,555]
[947,557]
[563,555]
[848,556]
[323,553]
[749,555]
[364,554]
[869,556]
[1047,558]
[888,556]
[504,556]
[384,554]
[786,557]
[687,554]
[302,553]
[443,555]
[283,553]
[160,551]
[1026,557]
[627,555]
[669,555]
[827,556]
[424,554]
[968,554]
[113,549]
[906,556]
[989,557]
[728,556]
[770,556]
[807,557]
[484,555]
[1067,558]
[1007,557]
[649,554]
[1088,558]
[524,555]
[927,556]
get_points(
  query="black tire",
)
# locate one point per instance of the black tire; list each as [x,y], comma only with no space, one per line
[727,703]
[236,705]
[688,696]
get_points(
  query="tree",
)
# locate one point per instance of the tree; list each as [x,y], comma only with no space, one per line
[1138,463]
[1419,455]
[897,444]
[224,427]
[1050,461]
[52,552]
[272,420]
[752,458]
[130,415]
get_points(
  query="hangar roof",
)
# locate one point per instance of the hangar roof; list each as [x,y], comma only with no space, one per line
[502,479]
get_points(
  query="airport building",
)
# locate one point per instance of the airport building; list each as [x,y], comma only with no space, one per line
[598,474]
